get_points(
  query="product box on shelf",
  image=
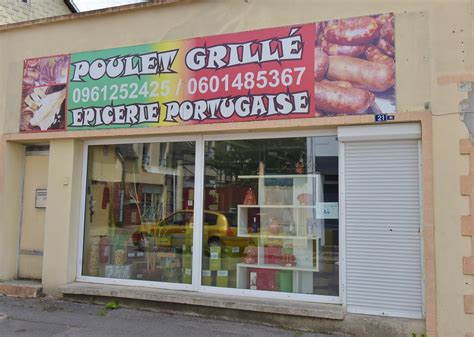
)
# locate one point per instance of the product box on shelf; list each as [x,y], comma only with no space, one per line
[120,256]
[215,260]
[119,271]
[272,255]
[187,260]
[187,275]
[222,279]
[263,279]
[206,278]
[285,281]
[230,251]
[230,263]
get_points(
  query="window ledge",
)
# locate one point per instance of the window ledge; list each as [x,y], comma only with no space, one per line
[316,310]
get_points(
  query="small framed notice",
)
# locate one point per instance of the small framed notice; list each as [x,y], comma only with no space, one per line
[41,198]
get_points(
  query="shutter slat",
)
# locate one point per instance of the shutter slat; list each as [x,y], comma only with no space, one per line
[383,267]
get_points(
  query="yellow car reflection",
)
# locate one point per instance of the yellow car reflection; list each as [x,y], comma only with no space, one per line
[218,228]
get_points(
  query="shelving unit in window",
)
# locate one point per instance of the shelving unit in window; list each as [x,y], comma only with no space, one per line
[286,225]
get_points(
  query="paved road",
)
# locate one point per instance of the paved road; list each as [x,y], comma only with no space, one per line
[47,317]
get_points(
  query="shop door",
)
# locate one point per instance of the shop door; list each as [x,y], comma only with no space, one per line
[30,259]
[382,227]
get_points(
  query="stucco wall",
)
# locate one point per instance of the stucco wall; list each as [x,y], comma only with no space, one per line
[16,10]
[433,41]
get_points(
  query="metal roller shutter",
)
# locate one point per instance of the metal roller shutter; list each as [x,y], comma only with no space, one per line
[382,220]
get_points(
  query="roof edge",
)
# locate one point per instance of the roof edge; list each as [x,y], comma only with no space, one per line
[72,7]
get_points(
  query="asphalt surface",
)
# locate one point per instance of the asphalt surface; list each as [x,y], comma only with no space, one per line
[48,317]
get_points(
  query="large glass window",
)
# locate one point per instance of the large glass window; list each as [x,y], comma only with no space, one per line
[139,211]
[271,215]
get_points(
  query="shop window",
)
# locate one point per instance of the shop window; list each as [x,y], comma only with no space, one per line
[275,202]
[269,221]
[137,218]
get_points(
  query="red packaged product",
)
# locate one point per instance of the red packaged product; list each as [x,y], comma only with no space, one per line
[266,279]
[272,255]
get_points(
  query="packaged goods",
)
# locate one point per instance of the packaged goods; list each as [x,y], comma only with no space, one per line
[120,257]
[187,260]
[222,279]
[263,279]
[272,255]
[119,271]
[187,275]
[285,280]
[206,278]
[215,261]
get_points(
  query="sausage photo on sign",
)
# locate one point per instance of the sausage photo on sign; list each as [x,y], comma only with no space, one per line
[354,66]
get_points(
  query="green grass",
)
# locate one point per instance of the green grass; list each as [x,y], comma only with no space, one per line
[112,305]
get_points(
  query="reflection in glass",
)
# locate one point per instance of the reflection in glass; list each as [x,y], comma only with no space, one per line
[276,201]
[138,214]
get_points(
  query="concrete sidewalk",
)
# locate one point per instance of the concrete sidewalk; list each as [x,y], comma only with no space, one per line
[48,317]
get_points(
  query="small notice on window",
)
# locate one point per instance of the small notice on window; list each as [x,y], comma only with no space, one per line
[327,210]
[41,198]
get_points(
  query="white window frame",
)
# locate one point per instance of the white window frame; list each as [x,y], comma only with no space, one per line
[196,285]
[104,280]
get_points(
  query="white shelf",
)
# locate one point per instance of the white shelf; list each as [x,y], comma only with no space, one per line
[300,225]
[295,216]
[277,267]
[276,206]
[278,176]
[282,237]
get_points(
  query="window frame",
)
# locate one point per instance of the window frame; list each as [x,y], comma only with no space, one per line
[261,293]
[80,248]
[196,286]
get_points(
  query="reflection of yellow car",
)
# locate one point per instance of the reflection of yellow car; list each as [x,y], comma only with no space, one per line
[220,228]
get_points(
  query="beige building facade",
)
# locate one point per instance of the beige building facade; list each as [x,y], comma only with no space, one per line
[12,11]
[434,42]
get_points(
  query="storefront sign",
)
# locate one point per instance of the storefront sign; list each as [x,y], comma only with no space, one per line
[301,71]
